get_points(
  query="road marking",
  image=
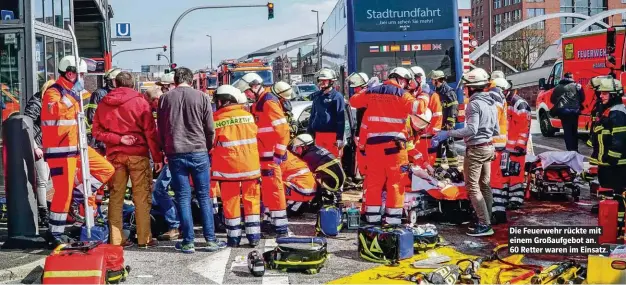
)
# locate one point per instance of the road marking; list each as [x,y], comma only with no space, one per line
[145,276]
[213,267]
[273,276]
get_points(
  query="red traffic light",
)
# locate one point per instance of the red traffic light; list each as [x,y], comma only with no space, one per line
[164,48]
[173,66]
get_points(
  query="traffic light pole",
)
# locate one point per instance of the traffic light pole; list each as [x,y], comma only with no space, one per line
[137,49]
[201,8]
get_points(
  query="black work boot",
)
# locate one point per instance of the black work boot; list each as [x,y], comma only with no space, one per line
[43,217]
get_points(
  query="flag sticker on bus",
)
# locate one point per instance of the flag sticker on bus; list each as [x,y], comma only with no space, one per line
[374,48]
[437,47]
[416,47]
[384,48]
[427,47]
[406,48]
[395,48]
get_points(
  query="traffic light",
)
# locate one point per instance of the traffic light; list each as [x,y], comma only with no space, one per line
[164,48]
[158,57]
[270,10]
[173,66]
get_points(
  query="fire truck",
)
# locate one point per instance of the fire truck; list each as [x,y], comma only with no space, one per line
[232,70]
[585,55]
[205,81]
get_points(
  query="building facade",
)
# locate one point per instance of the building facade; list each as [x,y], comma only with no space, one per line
[522,48]
[34,36]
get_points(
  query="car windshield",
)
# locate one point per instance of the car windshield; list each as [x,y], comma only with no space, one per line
[377,59]
[267,75]
[307,88]
[212,82]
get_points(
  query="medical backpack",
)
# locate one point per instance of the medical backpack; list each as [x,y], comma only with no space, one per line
[304,254]
[329,221]
[386,245]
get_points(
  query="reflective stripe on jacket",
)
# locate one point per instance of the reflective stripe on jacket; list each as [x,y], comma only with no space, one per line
[500,140]
[611,137]
[297,172]
[434,104]
[388,107]
[273,126]
[519,118]
[59,126]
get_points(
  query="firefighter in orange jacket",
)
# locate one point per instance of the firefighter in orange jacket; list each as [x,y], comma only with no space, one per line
[420,91]
[273,136]
[499,180]
[388,107]
[299,184]
[59,127]
[236,166]
[519,120]
[434,105]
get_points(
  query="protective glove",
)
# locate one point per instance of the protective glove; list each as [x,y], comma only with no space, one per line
[438,138]
[340,143]
[278,159]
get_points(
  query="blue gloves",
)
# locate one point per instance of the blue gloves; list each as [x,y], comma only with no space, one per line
[279,159]
[438,138]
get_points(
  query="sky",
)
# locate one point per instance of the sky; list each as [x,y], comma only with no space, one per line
[235,32]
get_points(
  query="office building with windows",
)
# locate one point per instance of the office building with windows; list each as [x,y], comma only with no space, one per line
[34,36]
[506,13]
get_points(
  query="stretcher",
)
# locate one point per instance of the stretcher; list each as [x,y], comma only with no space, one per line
[429,196]
[555,173]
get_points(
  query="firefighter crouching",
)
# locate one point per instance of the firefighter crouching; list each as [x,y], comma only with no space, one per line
[273,137]
[59,126]
[299,184]
[450,112]
[499,180]
[326,168]
[610,142]
[236,165]
[388,107]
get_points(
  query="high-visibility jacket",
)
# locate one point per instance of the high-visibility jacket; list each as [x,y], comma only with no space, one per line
[297,173]
[388,107]
[235,153]
[273,132]
[434,104]
[415,155]
[59,125]
[611,137]
[519,118]
[499,141]
[422,103]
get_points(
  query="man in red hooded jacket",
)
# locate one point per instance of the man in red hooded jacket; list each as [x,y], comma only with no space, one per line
[124,122]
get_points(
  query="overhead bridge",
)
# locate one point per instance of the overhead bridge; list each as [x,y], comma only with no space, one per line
[281,48]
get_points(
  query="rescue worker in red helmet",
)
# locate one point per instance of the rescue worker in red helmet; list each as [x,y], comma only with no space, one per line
[610,143]
[273,137]
[236,166]
[388,107]
[327,123]
[499,182]
[518,120]
[358,81]
[59,127]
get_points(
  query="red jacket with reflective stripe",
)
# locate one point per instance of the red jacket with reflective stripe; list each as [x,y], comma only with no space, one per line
[434,104]
[297,172]
[519,118]
[273,126]
[235,153]
[59,126]
[388,107]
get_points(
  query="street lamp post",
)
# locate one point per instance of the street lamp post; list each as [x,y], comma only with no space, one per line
[489,14]
[319,44]
[211,49]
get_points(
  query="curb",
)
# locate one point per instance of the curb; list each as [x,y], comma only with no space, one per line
[22,271]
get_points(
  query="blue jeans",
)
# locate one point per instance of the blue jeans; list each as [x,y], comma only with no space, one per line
[162,199]
[198,166]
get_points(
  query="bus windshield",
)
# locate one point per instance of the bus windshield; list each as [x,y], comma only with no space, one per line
[267,75]
[211,82]
[377,59]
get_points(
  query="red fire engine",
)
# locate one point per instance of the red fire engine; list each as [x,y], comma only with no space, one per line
[205,81]
[231,70]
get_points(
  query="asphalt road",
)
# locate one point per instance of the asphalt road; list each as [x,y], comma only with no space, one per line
[164,265]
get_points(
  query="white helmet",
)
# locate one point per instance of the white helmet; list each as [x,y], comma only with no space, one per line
[67,62]
[401,72]
[358,79]
[112,73]
[477,77]
[326,74]
[82,67]
[229,93]
[167,78]
[420,122]
[302,140]
[282,89]
[247,81]
[419,72]
[497,74]
[501,83]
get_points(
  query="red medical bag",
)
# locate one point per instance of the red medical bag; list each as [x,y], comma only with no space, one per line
[85,263]
[607,219]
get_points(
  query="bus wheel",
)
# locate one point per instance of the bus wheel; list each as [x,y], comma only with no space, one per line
[544,123]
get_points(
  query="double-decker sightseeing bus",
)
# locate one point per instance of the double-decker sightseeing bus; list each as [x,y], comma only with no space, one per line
[374,36]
